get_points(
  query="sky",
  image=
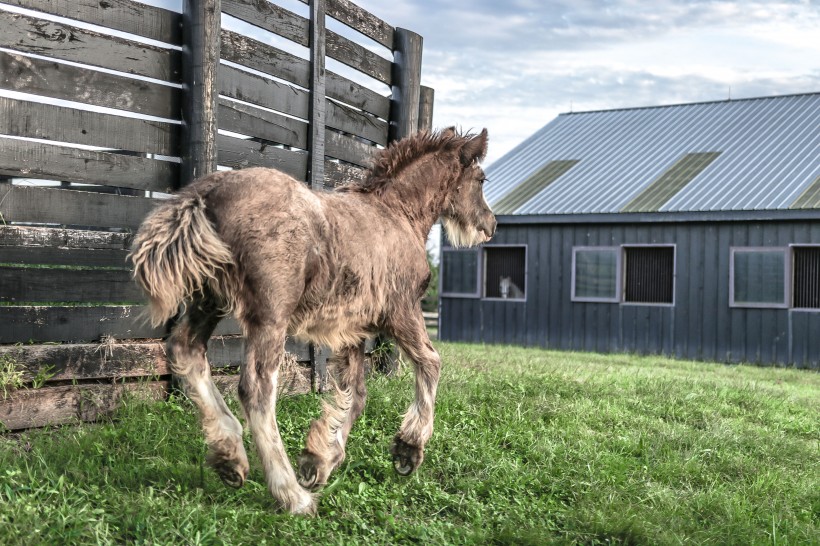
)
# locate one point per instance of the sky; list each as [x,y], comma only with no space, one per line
[514,65]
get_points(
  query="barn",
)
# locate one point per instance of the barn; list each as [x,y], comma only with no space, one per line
[688,230]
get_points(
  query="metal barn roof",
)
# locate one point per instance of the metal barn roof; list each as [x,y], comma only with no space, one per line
[738,155]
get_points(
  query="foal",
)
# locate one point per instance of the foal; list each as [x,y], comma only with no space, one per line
[333,268]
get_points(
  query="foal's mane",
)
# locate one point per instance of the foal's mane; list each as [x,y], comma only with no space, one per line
[398,155]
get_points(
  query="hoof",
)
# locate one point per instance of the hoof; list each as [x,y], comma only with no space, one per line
[230,471]
[406,458]
[314,470]
[231,474]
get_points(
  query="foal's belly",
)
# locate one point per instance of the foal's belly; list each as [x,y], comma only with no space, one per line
[334,326]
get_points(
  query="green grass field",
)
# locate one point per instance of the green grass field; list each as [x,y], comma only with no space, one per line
[530,447]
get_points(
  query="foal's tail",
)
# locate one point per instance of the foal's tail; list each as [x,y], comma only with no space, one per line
[177,253]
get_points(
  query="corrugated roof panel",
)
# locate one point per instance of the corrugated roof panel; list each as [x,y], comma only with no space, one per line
[684,170]
[539,180]
[810,198]
[770,154]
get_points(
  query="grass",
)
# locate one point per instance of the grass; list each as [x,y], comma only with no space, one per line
[531,447]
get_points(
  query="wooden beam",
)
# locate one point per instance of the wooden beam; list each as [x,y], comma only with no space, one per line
[316,147]
[128,16]
[316,135]
[61,41]
[426,96]
[200,50]
[404,108]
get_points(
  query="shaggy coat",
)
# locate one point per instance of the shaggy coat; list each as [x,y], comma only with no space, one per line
[332,268]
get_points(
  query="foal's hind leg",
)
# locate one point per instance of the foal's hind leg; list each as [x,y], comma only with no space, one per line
[417,427]
[325,446]
[257,392]
[186,348]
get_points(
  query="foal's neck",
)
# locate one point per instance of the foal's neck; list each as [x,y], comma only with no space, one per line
[419,193]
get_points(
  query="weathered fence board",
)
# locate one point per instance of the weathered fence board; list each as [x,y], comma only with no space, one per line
[68,207]
[31,408]
[258,123]
[355,56]
[348,120]
[52,162]
[241,154]
[50,122]
[270,17]
[344,90]
[118,360]
[264,92]
[52,246]
[74,83]
[265,58]
[358,19]
[25,284]
[70,43]
[44,323]
[348,149]
[123,15]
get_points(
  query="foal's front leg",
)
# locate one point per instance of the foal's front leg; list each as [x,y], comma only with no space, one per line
[325,445]
[408,445]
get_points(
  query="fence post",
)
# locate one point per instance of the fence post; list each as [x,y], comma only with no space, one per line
[316,148]
[404,105]
[426,97]
[201,26]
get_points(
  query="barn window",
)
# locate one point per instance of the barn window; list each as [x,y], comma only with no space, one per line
[806,277]
[758,277]
[505,272]
[650,274]
[596,274]
[459,273]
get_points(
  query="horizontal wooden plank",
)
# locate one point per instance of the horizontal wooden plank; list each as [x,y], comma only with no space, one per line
[270,17]
[49,122]
[44,323]
[118,360]
[124,15]
[295,28]
[355,56]
[339,174]
[265,58]
[358,19]
[30,408]
[247,87]
[241,154]
[344,90]
[61,41]
[263,124]
[275,62]
[78,84]
[25,284]
[69,239]
[349,120]
[348,149]
[72,208]
[28,159]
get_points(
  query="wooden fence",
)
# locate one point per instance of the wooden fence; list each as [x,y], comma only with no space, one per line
[118,103]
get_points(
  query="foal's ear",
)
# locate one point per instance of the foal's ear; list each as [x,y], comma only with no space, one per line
[449,131]
[474,149]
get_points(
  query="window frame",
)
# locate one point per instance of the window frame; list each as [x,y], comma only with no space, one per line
[461,295]
[792,246]
[483,266]
[674,248]
[618,275]
[788,258]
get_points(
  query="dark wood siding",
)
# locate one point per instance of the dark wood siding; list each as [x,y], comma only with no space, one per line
[700,325]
